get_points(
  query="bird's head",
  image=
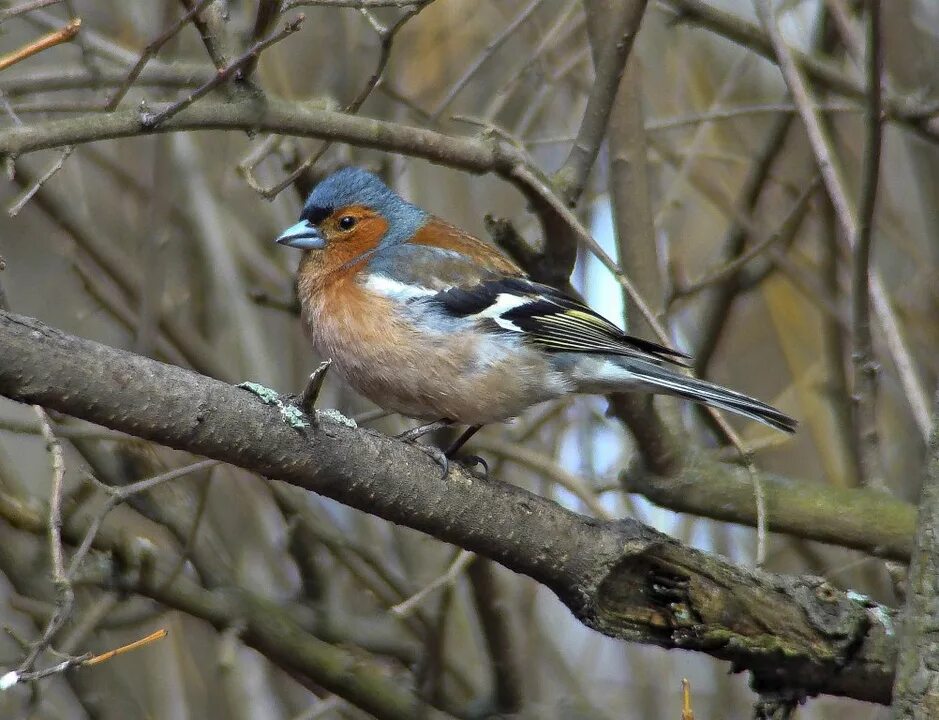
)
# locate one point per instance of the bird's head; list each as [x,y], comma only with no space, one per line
[353,208]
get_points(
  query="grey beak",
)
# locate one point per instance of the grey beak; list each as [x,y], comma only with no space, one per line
[304,235]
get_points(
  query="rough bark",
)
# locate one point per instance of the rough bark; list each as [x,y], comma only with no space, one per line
[797,636]
[916,692]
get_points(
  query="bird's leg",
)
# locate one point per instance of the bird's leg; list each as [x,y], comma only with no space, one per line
[422,430]
[457,444]
[462,440]
[436,454]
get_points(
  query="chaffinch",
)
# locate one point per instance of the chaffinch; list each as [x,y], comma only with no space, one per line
[430,322]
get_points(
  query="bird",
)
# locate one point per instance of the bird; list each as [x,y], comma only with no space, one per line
[428,321]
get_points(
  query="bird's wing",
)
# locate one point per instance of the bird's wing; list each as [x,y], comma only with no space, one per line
[546,317]
[442,235]
[453,258]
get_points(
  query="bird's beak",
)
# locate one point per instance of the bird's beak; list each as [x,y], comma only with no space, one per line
[304,235]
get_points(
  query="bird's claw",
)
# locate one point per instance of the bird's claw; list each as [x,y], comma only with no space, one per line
[437,455]
[471,461]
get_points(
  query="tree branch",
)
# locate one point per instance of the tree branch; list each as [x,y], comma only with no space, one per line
[625,18]
[798,636]
[866,437]
[861,519]
[259,113]
[916,690]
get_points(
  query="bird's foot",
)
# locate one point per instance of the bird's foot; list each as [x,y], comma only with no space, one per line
[291,414]
[436,454]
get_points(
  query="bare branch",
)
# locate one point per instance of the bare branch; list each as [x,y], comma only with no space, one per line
[150,121]
[572,176]
[44,43]
[25,8]
[148,52]
[27,194]
[64,591]
[462,560]
[498,631]
[867,442]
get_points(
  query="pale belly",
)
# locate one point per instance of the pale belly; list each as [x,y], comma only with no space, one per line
[467,376]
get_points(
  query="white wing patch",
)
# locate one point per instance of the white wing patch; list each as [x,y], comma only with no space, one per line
[504,302]
[390,288]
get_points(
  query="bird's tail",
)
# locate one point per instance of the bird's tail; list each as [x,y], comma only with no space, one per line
[661,380]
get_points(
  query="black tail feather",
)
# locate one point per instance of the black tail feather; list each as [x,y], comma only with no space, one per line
[662,380]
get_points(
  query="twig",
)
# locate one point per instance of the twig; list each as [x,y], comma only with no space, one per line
[213,29]
[786,231]
[866,441]
[16,677]
[117,495]
[406,607]
[44,43]
[387,36]
[718,309]
[66,595]
[54,448]
[129,647]
[312,390]
[841,16]
[25,8]
[150,121]
[819,69]
[727,87]
[148,52]
[547,41]
[686,712]
[27,195]
[572,176]
[715,114]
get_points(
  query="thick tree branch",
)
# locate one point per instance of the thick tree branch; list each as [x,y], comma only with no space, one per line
[861,519]
[797,636]
[916,691]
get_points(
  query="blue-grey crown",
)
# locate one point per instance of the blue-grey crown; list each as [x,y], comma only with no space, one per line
[355,186]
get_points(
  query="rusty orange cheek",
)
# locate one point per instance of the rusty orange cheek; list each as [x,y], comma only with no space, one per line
[364,237]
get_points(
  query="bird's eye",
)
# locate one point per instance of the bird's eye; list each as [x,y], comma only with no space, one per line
[346,222]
